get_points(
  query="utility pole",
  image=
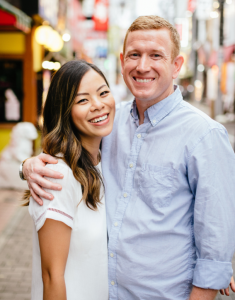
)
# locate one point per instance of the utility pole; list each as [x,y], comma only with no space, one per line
[218,102]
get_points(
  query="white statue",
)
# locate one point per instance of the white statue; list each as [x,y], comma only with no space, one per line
[20,148]
[12,106]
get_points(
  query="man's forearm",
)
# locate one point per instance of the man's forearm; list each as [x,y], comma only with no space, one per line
[202,294]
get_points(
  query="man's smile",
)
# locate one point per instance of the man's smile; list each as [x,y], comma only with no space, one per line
[143,80]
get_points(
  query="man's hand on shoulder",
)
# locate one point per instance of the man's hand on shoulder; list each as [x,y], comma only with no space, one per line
[34,171]
[202,294]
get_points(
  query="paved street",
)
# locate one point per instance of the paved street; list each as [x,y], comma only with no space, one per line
[15,248]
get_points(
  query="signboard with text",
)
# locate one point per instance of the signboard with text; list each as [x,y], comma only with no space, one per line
[100,16]
[192,5]
[48,10]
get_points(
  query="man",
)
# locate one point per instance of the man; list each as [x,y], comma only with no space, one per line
[169,174]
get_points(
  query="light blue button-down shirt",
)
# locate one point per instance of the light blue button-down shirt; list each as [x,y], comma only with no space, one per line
[170,198]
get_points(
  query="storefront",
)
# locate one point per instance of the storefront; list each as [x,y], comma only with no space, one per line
[21,61]
[17,78]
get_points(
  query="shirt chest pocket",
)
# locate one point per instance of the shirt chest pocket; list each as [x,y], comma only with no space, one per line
[156,185]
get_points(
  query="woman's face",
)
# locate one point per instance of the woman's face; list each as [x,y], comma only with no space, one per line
[94,107]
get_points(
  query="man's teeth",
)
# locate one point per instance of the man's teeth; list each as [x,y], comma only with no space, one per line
[143,80]
[99,119]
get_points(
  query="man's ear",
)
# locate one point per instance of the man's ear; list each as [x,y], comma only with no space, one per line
[122,62]
[177,65]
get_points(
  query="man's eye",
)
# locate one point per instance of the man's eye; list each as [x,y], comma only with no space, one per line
[156,55]
[134,54]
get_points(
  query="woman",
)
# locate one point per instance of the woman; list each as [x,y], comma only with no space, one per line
[70,237]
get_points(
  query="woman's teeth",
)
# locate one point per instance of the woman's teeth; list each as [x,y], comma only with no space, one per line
[99,119]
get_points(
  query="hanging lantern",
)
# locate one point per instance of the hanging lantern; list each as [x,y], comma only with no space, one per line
[49,38]
[42,34]
[55,43]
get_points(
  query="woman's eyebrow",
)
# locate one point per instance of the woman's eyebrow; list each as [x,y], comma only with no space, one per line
[101,87]
[82,94]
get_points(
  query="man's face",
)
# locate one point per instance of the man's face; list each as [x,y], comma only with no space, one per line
[147,66]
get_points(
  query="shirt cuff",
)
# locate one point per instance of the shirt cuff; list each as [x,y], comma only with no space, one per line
[211,274]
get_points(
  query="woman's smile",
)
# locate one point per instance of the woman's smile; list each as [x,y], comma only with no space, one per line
[100,120]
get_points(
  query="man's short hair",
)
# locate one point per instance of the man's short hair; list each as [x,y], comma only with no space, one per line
[155,22]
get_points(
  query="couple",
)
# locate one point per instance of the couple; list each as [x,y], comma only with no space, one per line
[168,172]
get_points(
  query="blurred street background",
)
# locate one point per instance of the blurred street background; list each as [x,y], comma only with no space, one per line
[38,36]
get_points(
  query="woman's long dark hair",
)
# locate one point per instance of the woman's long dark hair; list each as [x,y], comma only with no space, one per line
[61,136]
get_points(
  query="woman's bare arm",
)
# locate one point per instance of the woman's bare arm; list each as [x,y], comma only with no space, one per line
[54,241]
[34,171]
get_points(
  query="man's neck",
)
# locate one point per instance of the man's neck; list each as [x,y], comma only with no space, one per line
[142,105]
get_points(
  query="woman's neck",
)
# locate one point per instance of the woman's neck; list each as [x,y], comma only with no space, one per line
[93,147]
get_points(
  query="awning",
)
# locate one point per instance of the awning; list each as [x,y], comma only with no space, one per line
[13,18]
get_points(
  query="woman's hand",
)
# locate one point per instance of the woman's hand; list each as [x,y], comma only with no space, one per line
[34,171]
[226,291]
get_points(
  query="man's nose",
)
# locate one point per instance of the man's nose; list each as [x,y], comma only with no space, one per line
[143,64]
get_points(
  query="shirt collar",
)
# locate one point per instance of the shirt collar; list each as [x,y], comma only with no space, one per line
[160,110]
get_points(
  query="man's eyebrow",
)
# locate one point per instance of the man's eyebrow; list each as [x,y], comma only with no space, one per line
[159,50]
[101,87]
[162,51]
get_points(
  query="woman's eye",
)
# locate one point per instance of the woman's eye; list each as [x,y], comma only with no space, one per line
[104,93]
[81,101]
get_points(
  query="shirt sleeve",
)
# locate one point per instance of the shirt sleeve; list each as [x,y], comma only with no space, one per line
[211,175]
[62,208]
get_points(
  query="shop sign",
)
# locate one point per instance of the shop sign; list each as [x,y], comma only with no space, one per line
[74,24]
[182,26]
[88,8]
[48,10]
[94,42]
[100,16]
[192,5]
[203,10]
[212,83]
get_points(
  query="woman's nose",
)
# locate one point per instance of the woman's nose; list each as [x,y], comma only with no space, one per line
[97,104]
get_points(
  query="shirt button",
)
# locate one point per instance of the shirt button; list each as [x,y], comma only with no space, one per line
[131,165]
[111,254]
[116,224]
[139,136]
[112,282]
[125,195]
[154,121]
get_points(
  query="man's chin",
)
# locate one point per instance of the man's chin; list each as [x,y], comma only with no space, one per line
[143,97]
